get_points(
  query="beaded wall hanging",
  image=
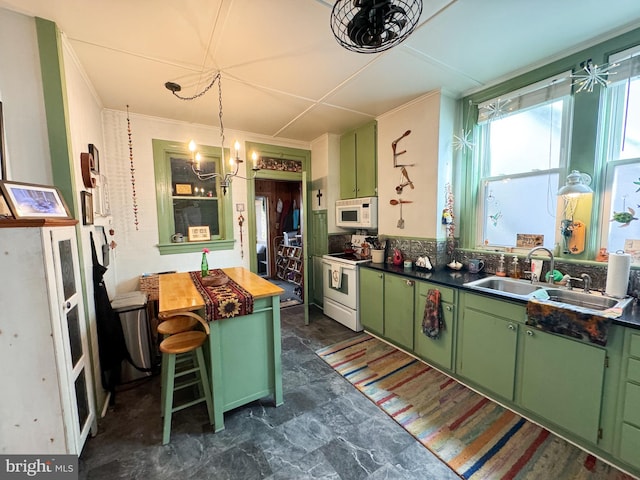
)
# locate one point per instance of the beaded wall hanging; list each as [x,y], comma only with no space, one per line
[133,170]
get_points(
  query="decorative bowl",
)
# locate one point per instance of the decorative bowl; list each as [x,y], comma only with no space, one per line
[215,280]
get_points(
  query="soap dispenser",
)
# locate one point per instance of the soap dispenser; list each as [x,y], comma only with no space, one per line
[515,268]
[501,271]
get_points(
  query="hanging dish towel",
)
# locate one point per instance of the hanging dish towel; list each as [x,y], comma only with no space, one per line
[432,318]
[336,275]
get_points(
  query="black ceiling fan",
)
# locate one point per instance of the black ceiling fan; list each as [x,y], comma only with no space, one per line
[371,26]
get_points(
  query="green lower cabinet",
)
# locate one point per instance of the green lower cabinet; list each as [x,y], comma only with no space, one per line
[435,350]
[371,300]
[486,351]
[562,380]
[630,445]
[316,278]
[398,310]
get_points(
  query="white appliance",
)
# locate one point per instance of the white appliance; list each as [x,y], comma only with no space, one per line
[341,284]
[357,213]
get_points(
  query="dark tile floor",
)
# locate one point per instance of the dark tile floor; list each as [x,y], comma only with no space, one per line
[326,429]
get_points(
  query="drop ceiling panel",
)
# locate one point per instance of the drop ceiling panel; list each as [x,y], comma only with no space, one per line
[322,119]
[487,40]
[395,80]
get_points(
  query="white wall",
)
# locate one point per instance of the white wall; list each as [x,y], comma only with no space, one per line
[422,145]
[85,127]
[325,171]
[25,127]
[136,252]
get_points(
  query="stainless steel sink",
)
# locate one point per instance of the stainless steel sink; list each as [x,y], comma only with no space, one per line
[517,288]
[592,301]
[523,289]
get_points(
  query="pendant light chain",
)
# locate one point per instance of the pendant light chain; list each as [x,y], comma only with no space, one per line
[219,77]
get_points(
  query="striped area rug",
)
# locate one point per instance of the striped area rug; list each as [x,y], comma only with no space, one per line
[477,438]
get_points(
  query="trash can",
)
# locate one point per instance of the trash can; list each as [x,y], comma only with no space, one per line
[132,308]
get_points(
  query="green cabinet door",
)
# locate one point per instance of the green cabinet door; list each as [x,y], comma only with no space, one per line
[348,165]
[486,352]
[435,350]
[562,381]
[371,300]
[318,239]
[366,161]
[316,277]
[358,162]
[398,310]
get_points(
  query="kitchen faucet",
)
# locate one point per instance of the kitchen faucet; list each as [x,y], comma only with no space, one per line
[551,261]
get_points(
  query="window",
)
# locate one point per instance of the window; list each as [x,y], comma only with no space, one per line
[184,201]
[621,116]
[522,149]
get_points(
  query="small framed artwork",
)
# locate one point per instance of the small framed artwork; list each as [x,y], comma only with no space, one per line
[28,200]
[199,234]
[183,188]
[95,166]
[87,208]
[106,199]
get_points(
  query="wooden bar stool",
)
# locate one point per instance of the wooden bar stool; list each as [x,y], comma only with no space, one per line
[176,324]
[170,325]
[172,346]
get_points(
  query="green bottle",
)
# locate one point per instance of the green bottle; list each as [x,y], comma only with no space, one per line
[204,266]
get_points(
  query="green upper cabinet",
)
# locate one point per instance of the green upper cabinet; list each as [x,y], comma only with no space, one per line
[358,162]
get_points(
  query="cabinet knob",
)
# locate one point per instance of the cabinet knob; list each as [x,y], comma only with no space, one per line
[67,305]
[448,308]
[530,333]
[511,326]
[379,275]
[410,283]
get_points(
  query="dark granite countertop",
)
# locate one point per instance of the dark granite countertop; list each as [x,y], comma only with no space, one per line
[457,279]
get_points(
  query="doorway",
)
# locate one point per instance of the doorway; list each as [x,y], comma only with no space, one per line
[279,241]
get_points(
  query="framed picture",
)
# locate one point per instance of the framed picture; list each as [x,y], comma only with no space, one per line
[87,208]
[199,234]
[95,167]
[27,200]
[3,168]
[183,188]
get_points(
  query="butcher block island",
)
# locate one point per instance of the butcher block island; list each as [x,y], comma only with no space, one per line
[244,349]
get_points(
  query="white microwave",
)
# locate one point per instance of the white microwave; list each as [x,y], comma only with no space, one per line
[357,213]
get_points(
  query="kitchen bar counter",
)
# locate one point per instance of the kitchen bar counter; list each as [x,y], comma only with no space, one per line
[457,279]
[244,351]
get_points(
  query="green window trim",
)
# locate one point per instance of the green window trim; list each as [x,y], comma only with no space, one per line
[162,151]
[583,150]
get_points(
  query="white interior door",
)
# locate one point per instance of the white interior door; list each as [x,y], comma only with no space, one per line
[74,358]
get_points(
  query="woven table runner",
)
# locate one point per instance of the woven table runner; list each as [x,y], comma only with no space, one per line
[226,301]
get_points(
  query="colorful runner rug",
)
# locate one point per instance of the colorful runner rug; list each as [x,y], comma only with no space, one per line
[226,301]
[475,437]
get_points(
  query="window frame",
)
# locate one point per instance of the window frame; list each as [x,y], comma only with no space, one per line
[163,150]
[611,118]
[480,159]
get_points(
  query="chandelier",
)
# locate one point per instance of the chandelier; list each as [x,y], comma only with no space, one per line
[372,26]
[234,160]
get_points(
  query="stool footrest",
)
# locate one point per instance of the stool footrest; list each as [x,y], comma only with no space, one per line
[188,404]
[181,386]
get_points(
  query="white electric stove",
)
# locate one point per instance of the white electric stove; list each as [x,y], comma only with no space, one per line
[341,283]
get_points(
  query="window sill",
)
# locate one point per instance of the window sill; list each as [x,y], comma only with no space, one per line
[190,247]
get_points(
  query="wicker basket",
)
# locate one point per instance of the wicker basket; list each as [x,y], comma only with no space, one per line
[149,285]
